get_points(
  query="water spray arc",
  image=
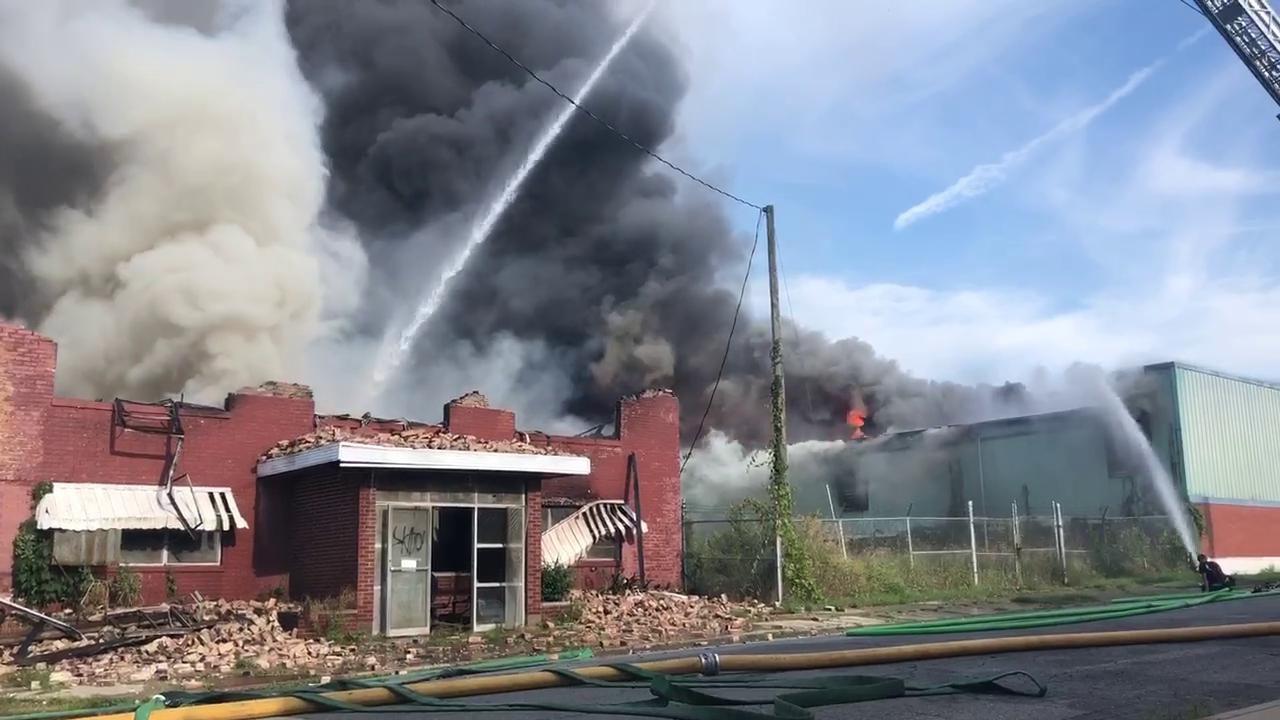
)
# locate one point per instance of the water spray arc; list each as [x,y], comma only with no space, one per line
[1157,476]
[393,354]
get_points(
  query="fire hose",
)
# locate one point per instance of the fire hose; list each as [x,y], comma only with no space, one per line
[1123,608]
[676,694]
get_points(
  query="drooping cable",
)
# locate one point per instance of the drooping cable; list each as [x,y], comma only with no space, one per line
[605,123]
[728,343]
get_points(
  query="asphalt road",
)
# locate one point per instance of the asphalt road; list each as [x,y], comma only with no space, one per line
[1153,682]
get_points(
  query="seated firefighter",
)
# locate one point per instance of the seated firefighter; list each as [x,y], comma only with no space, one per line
[1211,576]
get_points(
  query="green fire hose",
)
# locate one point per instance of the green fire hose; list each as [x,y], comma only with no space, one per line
[1122,608]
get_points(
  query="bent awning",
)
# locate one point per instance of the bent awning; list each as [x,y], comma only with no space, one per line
[568,540]
[104,506]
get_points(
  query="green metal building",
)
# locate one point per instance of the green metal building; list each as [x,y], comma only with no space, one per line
[1220,434]
[1217,435]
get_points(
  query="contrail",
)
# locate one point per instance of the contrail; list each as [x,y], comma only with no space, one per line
[988,175]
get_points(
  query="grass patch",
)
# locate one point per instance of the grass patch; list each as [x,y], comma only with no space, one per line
[884,577]
[22,678]
[736,558]
[10,705]
[1268,575]
[1056,598]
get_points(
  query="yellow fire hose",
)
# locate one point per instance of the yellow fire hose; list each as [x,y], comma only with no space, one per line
[710,663]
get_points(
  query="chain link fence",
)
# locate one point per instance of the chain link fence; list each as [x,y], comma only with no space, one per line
[737,555]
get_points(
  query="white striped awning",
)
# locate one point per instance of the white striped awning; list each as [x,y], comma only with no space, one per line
[104,506]
[568,540]
[609,519]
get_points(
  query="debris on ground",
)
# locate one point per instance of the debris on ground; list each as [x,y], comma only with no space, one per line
[200,639]
[639,620]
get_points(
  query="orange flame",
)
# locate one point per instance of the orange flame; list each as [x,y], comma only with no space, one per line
[857,416]
[856,419]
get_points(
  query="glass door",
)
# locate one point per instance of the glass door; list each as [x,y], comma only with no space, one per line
[499,567]
[408,570]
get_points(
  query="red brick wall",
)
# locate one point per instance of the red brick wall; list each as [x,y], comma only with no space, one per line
[326,533]
[15,502]
[366,537]
[43,437]
[27,362]
[1241,530]
[46,438]
[221,449]
[484,423]
[649,428]
[533,550]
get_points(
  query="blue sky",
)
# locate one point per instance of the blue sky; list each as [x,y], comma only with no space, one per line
[1123,218]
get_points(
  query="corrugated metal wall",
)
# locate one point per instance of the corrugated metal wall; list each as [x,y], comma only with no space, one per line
[1230,436]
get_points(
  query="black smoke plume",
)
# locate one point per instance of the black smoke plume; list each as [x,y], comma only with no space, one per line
[43,168]
[614,270]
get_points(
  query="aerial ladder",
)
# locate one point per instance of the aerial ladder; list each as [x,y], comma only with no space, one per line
[1252,29]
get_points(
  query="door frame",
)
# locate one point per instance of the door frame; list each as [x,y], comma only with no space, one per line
[386,571]
[384,521]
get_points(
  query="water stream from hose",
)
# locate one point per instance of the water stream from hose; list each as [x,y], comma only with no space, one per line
[1136,445]
[393,354]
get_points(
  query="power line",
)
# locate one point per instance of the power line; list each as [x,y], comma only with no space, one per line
[587,112]
[728,343]
[1194,9]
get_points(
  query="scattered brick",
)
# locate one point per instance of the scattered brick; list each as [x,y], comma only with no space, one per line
[424,437]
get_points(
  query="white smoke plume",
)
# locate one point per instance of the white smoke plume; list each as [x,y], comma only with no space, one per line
[724,470]
[195,268]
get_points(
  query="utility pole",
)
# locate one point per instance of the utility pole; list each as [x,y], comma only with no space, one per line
[779,491]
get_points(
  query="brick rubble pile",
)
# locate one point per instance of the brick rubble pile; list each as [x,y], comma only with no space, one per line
[243,636]
[472,399]
[426,437]
[275,388]
[642,619]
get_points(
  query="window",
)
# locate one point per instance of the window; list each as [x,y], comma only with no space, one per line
[169,547]
[609,548]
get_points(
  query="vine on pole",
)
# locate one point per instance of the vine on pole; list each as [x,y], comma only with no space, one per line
[797,565]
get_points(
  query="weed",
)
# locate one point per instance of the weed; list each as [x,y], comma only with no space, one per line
[23,705]
[170,586]
[557,581]
[331,618]
[125,588]
[573,614]
[37,579]
[738,561]
[24,677]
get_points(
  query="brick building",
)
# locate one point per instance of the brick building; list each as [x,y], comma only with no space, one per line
[419,523]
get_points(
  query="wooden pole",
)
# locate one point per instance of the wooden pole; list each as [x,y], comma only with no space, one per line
[778,395]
